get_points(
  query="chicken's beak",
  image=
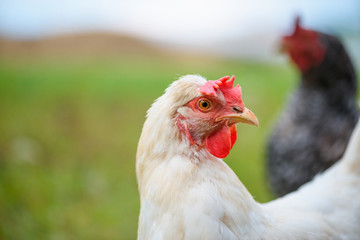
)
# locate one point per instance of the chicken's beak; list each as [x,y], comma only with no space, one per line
[246,116]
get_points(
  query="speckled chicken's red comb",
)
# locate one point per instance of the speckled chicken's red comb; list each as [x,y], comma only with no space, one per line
[226,86]
[297,24]
[299,30]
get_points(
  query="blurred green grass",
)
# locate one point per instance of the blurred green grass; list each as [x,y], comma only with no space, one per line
[69,129]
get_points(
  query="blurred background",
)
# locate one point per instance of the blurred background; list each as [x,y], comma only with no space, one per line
[76,79]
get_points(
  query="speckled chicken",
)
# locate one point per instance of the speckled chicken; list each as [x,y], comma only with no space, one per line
[315,127]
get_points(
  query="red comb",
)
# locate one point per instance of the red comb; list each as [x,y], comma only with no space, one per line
[297,21]
[209,88]
[297,27]
[226,86]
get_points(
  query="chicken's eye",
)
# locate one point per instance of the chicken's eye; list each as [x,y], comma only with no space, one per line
[204,104]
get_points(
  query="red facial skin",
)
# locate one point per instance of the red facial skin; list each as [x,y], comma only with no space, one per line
[203,129]
[304,47]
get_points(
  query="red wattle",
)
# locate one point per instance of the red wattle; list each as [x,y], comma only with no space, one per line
[233,135]
[220,143]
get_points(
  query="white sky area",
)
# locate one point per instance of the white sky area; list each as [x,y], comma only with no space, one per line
[196,23]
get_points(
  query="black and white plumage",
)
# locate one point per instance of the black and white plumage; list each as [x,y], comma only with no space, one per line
[314,129]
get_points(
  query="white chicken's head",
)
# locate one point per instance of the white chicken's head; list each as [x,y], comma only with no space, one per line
[208,119]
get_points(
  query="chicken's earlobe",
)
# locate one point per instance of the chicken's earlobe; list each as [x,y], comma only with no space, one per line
[184,129]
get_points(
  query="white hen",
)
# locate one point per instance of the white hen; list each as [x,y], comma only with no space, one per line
[188,192]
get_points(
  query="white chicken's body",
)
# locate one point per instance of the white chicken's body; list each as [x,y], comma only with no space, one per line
[187,193]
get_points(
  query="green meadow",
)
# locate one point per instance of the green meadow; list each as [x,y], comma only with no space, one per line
[69,128]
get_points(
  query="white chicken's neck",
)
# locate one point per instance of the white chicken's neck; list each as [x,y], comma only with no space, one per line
[181,184]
